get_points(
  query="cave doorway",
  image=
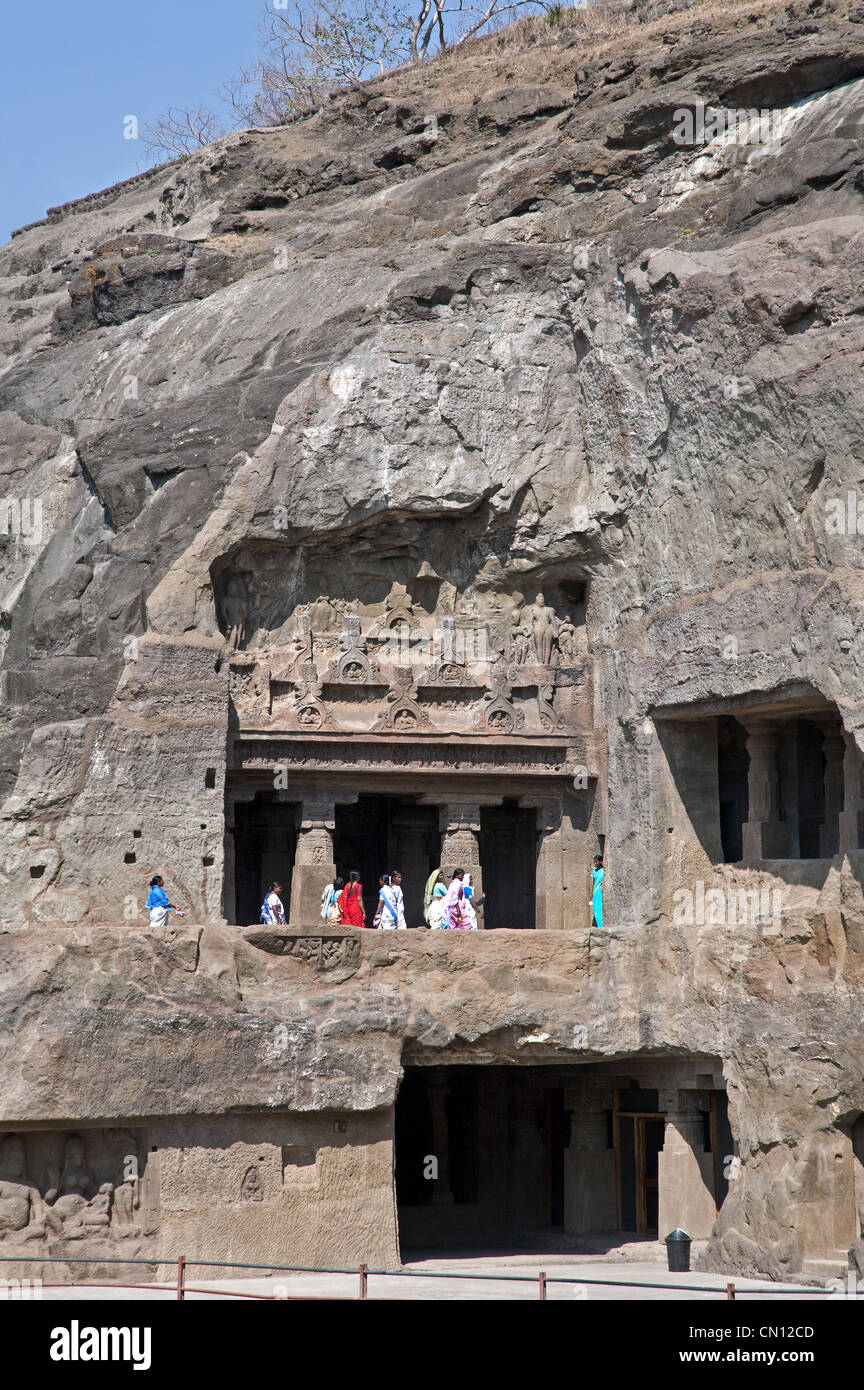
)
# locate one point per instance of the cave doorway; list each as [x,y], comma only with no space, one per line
[265,843]
[376,834]
[733,762]
[508,857]
[480,1158]
[639,1129]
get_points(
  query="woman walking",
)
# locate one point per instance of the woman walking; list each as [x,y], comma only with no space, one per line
[352,913]
[272,910]
[597,895]
[387,916]
[454,903]
[433,900]
[158,903]
[471,903]
[396,884]
[330,901]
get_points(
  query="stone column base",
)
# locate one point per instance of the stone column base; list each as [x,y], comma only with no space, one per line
[308,882]
[765,839]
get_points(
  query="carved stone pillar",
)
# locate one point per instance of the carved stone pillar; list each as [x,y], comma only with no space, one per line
[314,865]
[685,1174]
[851,818]
[834,750]
[764,834]
[589,1163]
[549,907]
[460,842]
[439,1092]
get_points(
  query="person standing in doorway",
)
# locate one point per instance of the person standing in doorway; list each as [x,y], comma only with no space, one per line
[351,909]
[158,903]
[272,910]
[387,916]
[597,895]
[396,883]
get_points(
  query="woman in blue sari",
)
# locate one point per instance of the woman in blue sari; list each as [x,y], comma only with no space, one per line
[597,895]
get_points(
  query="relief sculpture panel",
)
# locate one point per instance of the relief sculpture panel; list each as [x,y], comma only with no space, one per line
[67,1193]
[381,639]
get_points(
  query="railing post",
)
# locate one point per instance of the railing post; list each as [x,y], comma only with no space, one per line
[181,1272]
[542,1282]
[363,1281]
[730,1292]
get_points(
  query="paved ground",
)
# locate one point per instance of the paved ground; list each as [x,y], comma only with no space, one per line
[427,1279]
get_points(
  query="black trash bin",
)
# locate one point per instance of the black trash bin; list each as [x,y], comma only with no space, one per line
[678,1251]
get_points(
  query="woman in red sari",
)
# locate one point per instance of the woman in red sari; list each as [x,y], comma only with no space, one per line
[350,902]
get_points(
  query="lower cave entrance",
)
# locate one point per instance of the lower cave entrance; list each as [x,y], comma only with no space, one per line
[480,1158]
[376,834]
[557,1157]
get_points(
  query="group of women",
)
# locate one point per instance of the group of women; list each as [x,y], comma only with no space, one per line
[448,907]
[452,907]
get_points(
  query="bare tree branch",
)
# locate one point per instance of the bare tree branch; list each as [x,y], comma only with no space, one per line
[182,131]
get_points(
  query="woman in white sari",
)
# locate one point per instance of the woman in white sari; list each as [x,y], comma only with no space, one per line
[470,903]
[391,914]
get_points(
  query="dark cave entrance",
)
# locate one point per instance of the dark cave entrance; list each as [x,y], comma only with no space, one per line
[508,857]
[376,834]
[550,1157]
[265,843]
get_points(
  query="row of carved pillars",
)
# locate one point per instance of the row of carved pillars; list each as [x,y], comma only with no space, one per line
[459,823]
[766,833]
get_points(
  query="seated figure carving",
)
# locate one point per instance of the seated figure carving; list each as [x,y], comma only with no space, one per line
[21,1208]
[70,1212]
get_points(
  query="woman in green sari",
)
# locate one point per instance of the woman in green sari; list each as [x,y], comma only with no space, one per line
[433,899]
[597,895]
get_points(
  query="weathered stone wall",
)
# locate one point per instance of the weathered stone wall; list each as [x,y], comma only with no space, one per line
[119,1027]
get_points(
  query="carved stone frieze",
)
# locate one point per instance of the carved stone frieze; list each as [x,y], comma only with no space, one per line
[500,715]
[83,1204]
[334,953]
[404,713]
[353,664]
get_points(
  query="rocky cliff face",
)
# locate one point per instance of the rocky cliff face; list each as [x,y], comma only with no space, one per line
[501,297]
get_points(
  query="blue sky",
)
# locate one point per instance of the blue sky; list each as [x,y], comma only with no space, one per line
[71,72]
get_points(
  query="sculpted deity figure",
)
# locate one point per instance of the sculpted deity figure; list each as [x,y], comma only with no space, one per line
[68,1200]
[21,1213]
[522,634]
[543,623]
[234,611]
[566,640]
[126,1201]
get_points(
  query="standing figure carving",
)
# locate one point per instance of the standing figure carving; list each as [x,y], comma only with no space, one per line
[544,628]
[234,611]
